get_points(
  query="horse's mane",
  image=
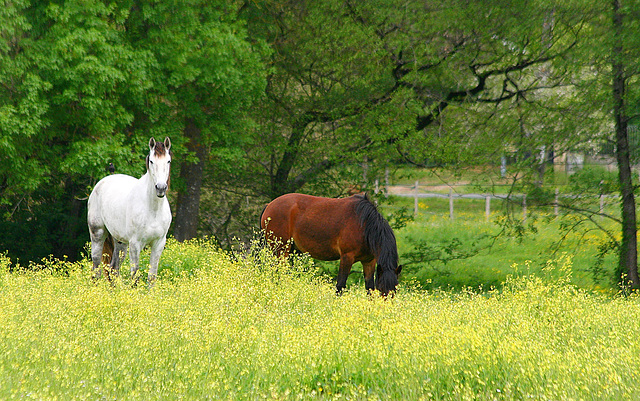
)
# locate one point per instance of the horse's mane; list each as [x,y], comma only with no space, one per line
[380,240]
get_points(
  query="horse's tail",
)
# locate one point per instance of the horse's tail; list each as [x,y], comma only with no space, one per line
[381,241]
[107,249]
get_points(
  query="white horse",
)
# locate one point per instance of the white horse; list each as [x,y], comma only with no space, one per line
[124,210]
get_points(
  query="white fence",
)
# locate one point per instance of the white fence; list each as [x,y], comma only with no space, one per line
[414,192]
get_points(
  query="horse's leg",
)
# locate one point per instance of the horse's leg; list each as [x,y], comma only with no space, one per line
[156,250]
[119,253]
[346,260]
[98,235]
[135,248]
[368,269]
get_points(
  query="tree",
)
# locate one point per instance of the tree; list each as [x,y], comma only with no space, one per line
[625,70]
[323,72]
[64,115]
[206,78]
[606,81]
[355,86]
[317,78]
[419,79]
[23,109]
[86,83]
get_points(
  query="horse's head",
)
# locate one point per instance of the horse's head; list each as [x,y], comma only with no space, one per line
[159,165]
[387,280]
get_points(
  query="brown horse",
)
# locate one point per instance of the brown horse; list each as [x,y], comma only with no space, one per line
[349,229]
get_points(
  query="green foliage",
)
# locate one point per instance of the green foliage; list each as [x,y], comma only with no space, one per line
[247,329]
[434,254]
[594,180]
[84,84]
[23,108]
[540,196]
[90,65]
[207,70]
[55,228]
[65,90]
[90,158]
[598,268]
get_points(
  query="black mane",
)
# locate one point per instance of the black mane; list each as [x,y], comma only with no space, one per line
[380,240]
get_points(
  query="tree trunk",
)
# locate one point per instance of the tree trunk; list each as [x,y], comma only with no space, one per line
[628,256]
[188,205]
[280,184]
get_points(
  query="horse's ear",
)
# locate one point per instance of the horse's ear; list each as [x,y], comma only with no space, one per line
[152,143]
[167,143]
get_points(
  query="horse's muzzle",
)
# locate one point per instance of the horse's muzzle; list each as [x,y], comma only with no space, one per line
[161,190]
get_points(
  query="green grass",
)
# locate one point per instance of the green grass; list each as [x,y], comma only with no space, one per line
[250,327]
[497,251]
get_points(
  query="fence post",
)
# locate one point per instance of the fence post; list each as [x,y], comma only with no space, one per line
[524,208]
[386,181]
[451,203]
[555,204]
[601,203]
[377,187]
[415,199]
[487,207]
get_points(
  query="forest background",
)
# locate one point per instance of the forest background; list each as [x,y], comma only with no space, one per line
[261,98]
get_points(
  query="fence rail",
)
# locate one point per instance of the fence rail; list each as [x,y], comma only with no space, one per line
[413,191]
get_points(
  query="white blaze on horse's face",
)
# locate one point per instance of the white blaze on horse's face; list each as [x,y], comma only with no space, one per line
[159,165]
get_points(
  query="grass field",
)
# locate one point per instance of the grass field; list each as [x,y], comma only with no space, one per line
[250,327]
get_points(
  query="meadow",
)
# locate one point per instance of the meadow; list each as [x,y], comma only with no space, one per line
[245,325]
[473,251]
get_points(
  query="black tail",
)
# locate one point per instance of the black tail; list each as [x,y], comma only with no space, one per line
[382,243]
